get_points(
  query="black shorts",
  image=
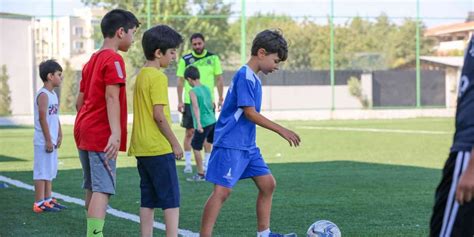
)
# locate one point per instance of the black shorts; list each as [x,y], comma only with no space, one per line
[198,138]
[449,218]
[187,120]
[158,181]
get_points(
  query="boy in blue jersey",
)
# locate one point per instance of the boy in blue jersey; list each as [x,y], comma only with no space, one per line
[453,210]
[235,155]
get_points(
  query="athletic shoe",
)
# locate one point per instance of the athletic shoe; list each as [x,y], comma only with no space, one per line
[45,207]
[56,204]
[272,234]
[196,178]
[188,169]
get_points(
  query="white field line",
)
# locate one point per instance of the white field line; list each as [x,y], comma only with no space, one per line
[111,211]
[379,130]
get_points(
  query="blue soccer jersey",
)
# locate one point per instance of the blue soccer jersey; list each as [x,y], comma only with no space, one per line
[464,135]
[233,129]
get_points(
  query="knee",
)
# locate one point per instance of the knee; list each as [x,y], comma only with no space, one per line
[269,187]
[189,133]
[222,195]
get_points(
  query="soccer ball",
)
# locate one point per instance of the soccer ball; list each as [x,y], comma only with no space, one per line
[323,228]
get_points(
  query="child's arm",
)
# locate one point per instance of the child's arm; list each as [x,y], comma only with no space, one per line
[465,189]
[180,94]
[196,111]
[43,109]
[259,119]
[79,101]
[60,136]
[112,93]
[220,91]
[165,128]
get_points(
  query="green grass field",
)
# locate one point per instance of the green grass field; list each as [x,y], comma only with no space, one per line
[368,183]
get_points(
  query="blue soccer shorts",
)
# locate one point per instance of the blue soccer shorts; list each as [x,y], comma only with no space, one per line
[227,166]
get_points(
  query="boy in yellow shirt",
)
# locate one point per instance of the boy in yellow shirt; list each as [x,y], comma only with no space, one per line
[153,142]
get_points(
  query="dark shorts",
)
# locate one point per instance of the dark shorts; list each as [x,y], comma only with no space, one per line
[198,138]
[158,181]
[187,120]
[449,218]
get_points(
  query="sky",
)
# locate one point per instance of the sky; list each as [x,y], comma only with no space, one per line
[433,12]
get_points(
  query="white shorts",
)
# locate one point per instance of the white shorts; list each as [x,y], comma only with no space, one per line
[45,165]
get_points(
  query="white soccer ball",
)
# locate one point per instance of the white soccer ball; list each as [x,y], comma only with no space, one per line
[323,228]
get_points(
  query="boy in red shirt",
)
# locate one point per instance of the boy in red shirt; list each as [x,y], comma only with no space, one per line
[100,129]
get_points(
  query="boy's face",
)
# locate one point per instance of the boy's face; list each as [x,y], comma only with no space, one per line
[190,81]
[168,57]
[55,78]
[198,45]
[268,62]
[127,38]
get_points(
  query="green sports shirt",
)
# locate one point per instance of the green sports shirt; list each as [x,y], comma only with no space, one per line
[209,67]
[206,110]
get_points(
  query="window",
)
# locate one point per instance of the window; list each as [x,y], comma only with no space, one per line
[78,31]
[78,45]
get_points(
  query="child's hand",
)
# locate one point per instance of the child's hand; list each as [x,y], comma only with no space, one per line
[177,150]
[290,136]
[181,107]
[465,189]
[199,129]
[49,146]
[112,148]
[58,143]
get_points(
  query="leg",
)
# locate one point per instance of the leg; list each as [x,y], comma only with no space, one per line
[98,205]
[48,189]
[188,136]
[147,216]
[198,158]
[171,221]
[88,197]
[266,185]
[207,147]
[212,209]
[39,190]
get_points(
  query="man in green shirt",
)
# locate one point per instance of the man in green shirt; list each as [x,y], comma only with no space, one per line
[209,67]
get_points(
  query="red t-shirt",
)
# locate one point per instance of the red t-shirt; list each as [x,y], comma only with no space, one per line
[92,129]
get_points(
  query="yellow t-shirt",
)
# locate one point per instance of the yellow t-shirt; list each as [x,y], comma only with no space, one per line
[151,88]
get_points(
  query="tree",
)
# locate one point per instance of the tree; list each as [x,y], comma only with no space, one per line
[5,99]
[68,89]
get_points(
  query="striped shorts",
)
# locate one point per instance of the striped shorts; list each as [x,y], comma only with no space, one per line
[449,218]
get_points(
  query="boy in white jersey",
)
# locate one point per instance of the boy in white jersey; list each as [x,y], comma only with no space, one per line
[47,137]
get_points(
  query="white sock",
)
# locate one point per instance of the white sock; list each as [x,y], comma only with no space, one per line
[264,233]
[48,199]
[187,157]
[206,160]
[39,203]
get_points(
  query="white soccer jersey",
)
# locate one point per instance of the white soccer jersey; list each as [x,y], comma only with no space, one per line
[52,118]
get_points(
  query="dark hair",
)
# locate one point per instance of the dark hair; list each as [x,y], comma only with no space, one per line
[195,36]
[191,72]
[160,37]
[115,19]
[47,67]
[272,41]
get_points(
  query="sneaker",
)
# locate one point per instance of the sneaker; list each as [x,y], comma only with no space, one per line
[272,234]
[196,178]
[56,204]
[188,169]
[45,207]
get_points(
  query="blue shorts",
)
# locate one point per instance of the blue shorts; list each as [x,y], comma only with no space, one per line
[227,166]
[158,181]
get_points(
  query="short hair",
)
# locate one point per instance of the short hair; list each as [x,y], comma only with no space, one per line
[160,37]
[47,67]
[195,36]
[191,72]
[272,41]
[113,20]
